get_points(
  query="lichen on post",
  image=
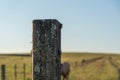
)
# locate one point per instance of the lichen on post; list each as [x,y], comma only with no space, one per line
[46,50]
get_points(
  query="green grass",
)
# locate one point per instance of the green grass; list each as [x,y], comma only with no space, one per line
[97,70]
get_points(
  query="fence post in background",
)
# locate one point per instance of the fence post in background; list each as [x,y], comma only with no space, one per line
[15,73]
[46,49]
[2,72]
[24,69]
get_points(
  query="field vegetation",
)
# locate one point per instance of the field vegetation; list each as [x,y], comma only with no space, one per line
[100,69]
[84,66]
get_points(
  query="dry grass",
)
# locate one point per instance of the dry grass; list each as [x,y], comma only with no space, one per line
[96,70]
[10,62]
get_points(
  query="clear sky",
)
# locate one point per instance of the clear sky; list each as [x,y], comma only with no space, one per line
[88,25]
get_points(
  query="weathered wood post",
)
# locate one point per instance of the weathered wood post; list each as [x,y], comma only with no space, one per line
[3,72]
[46,49]
[24,71]
[15,71]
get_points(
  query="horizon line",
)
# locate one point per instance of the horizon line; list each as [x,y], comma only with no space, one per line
[64,52]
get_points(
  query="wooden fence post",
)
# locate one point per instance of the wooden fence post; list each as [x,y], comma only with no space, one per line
[24,69]
[118,74]
[46,50]
[15,73]
[2,72]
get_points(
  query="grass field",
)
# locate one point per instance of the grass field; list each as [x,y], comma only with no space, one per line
[10,62]
[94,70]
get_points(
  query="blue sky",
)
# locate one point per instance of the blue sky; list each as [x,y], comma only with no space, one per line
[88,25]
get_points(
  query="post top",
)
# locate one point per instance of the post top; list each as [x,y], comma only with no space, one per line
[47,20]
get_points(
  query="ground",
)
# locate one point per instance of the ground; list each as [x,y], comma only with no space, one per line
[84,66]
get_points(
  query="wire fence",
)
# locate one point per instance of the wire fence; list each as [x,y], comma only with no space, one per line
[16,72]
